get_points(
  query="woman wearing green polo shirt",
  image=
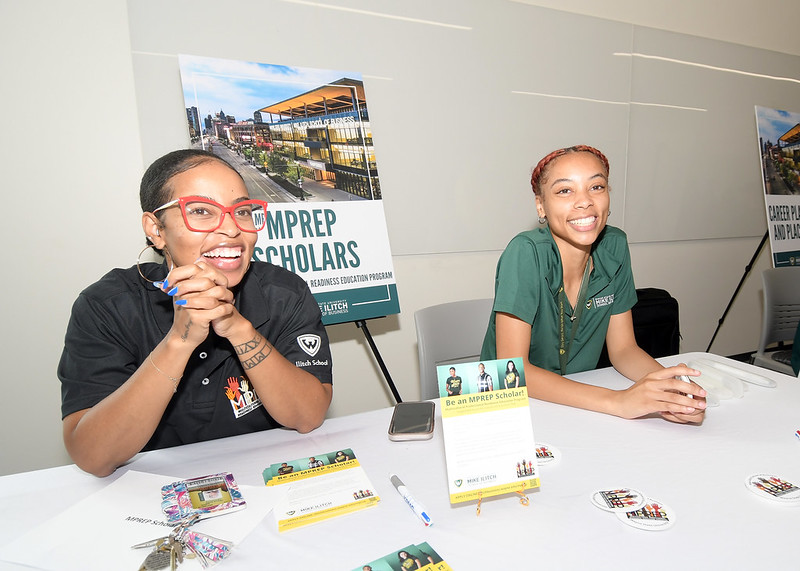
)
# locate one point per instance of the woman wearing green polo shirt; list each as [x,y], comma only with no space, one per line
[563,289]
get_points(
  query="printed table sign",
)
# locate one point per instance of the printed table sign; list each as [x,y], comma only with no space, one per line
[488,434]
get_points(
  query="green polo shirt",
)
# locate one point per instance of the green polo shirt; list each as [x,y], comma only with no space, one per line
[529,275]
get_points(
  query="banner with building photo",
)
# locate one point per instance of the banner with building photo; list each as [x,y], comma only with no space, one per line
[301,139]
[779,152]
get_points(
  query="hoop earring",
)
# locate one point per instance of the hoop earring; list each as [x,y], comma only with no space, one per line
[139,262]
[542,219]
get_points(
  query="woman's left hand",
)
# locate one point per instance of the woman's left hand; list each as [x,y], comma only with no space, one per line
[660,391]
[698,415]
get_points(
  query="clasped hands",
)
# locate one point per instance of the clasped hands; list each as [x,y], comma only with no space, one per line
[661,392]
[201,300]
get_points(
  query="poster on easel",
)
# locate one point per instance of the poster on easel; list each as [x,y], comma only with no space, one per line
[302,141]
[487,429]
[779,155]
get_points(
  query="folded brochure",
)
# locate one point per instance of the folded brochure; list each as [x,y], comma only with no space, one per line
[319,487]
[420,556]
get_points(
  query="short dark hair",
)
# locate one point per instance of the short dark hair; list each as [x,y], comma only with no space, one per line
[154,190]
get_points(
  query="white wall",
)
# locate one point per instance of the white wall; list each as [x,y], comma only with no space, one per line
[71,160]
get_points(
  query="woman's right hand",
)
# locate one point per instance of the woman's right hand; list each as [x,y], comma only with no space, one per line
[201,295]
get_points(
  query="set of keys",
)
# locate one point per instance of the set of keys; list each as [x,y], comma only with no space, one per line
[170,551]
[167,552]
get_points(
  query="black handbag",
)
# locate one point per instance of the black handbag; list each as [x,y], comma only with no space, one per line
[655,324]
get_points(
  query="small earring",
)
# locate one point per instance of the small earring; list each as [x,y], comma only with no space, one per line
[542,219]
[157,232]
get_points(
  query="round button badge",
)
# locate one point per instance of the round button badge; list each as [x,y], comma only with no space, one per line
[652,516]
[618,499]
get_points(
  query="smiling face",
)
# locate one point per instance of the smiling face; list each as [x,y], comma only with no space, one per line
[574,198]
[227,248]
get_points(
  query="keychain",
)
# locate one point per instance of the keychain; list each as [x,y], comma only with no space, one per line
[169,551]
[209,550]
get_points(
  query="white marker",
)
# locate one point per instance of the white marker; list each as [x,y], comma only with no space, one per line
[412,503]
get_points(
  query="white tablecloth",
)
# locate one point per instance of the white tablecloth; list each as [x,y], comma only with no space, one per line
[699,471]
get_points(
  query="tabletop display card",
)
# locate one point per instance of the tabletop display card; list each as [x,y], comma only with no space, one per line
[488,434]
[319,487]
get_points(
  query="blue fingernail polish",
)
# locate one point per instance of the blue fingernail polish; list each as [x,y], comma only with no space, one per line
[173,291]
[159,285]
[164,285]
[180,302]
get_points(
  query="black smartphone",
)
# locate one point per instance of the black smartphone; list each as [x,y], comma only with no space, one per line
[412,421]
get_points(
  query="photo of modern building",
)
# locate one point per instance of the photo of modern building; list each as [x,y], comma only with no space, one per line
[295,134]
[779,141]
[327,131]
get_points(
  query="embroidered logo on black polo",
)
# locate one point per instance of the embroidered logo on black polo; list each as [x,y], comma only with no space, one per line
[309,343]
[242,397]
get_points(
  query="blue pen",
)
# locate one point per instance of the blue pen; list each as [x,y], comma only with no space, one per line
[417,508]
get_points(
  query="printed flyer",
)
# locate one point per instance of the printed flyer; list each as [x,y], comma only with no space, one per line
[316,488]
[488,434]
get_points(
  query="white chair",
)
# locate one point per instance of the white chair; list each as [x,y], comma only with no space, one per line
[781,317]
[449,333]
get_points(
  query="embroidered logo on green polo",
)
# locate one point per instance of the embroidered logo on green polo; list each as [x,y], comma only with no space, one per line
[601,301]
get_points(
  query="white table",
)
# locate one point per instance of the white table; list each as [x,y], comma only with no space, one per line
[699,471]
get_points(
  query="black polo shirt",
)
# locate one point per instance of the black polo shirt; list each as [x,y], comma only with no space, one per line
[119,320]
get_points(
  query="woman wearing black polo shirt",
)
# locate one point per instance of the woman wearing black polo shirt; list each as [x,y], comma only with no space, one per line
[562,290]
[206,345]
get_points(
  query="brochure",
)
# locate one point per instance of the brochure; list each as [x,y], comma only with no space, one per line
[420,556]
[319,487]
[488,434]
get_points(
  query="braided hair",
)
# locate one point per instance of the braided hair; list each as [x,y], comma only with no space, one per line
[539,171]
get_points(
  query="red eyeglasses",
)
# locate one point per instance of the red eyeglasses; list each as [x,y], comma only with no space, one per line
[204,215]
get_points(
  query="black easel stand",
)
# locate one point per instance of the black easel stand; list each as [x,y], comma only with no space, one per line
[738,287]
[362,324]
